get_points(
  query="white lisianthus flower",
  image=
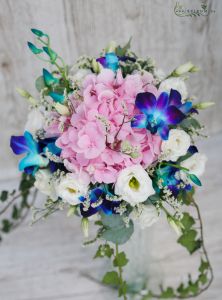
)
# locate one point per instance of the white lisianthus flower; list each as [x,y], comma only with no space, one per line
[176,145]
[175,84]
[148,217]
[70,188]
[35,121]
[134,185]
[195,164]
[45,184]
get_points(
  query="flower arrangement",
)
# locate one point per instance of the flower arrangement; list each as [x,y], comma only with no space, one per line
[111,139]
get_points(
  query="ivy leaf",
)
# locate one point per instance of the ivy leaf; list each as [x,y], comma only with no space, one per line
[104,250]
[204,266]
[187,221]
[4,196]
[34,49]
[111,278]
[188,240]
[193,287]
[38,32]
[168,293]
[203,278]
[49,78]
[120,260]
[52,54]
[15,213]
[195,179]
[115,229]
[182,290]
[123,289]
[6,225]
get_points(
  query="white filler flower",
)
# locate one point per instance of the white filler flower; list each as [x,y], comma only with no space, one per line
[175,84]
[70,188]
[134,185]
[35,121]
[195,164]
[149,216]
[176,145]
[44,183]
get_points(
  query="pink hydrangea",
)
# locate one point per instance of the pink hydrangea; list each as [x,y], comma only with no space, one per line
[100,125]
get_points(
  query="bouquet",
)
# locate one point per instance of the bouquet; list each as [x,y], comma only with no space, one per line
[111,139]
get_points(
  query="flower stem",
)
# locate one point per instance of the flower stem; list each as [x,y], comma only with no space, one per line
[120,271]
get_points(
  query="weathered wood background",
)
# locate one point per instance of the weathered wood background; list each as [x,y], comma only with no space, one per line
[47,262]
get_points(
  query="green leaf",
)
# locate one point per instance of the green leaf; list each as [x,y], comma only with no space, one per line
[168,293]
[193,287]
[204,266]
[182,290]
[121,51]
[38,33]
[104,251]
[40,83]
[154,198]
[6,225]
[34,49]
[123,289]
[203,278]
[195,179]
[111,278]
[4,196]
[115,229]
[187,221]
[15,213]
[120,260]
[190,123]
[188,240]
[52,54]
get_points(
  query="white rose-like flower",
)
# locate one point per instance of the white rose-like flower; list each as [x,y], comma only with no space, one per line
[175,84]
[176,145]
[134,185]
[45,184]
[35,121]
[195,164]
[149,216]
[70,188]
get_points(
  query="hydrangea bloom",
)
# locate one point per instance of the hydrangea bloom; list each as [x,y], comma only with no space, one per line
[93,142]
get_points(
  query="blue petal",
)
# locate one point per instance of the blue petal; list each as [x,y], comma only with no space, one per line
[145,102]
[102,61]
[57,97]
[18,144]
[163,132]
[186,107]
[162,101]
[31,143]
[31,160]
[174,115]
[51,147]
[112,61]
[139,121]
[175,98]
[192,149]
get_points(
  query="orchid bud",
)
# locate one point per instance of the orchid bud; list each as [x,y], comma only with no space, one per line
[85,227]
[27,96]
[96,66]
[203,105]
[62,109]
[185,68]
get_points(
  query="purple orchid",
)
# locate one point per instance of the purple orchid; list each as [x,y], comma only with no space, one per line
[158,114]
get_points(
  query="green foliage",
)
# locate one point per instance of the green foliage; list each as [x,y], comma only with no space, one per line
[16,204]
[189,237]
[190,123]
[167,293]
[104,251]
[115,230]
[111,278]
[120,260]
[40,83]
[121,51]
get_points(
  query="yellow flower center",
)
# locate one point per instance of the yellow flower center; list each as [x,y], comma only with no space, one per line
[71,190]
[134,184]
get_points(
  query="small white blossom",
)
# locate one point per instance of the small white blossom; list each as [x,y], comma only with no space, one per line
[195,164]
[134,185]
[175,84]
[35,121]
[70,188]
[176,145]
[148,215]
[45,184]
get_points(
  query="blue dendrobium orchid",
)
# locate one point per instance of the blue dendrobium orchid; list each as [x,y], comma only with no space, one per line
[33,159]
[111,60]
[97,202]
[158,114]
